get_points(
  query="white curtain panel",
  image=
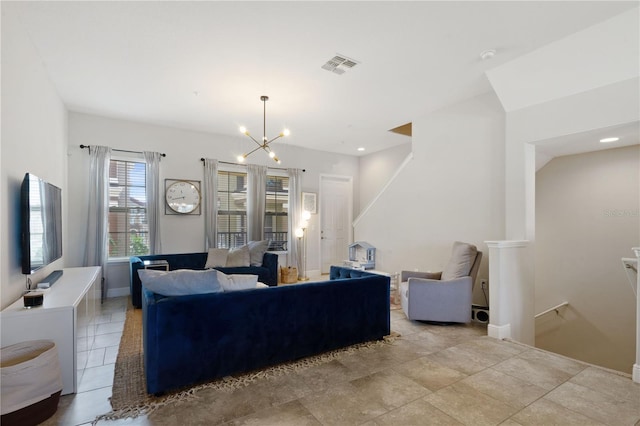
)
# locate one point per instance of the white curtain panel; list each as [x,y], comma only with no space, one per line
[210,198]
[256,201]
[152,190]
[295,216]
[97,247]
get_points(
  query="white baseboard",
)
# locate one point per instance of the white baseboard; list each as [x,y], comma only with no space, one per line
[499,331]
[118,292]
[636,373]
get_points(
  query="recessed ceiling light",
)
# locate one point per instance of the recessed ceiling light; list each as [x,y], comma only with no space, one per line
[361,148]
[609,140]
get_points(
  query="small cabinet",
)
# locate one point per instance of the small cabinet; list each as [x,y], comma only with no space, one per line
[67,317]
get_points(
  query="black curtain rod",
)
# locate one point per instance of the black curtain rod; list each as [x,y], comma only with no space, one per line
[121,150]
[238,164]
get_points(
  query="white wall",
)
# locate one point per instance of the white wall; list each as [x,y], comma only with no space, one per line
[587,218]
[184,148]
[34,136]
[453,189]
[376,169]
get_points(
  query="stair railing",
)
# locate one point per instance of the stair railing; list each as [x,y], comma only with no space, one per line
[555,308]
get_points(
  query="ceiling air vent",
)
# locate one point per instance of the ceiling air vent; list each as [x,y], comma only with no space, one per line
[339,64]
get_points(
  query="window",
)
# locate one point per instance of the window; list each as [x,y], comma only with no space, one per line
[232,210]
[128,226]
[277,212]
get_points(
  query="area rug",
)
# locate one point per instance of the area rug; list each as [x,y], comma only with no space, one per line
[129,396]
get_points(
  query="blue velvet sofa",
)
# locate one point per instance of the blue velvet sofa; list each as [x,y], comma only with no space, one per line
[197,338]
[267,273]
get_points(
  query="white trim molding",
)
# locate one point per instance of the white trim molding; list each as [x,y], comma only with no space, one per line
[499,331]
[512,295]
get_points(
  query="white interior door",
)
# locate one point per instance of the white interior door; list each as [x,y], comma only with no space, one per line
[336,215]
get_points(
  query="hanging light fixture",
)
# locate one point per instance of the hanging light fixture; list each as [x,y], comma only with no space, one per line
[265,141]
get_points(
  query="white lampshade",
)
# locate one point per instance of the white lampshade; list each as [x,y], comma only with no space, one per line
[299,233]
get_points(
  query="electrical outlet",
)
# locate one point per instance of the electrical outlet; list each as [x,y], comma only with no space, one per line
[483,283]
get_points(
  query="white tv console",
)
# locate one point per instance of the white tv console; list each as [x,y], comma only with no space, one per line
[67,317]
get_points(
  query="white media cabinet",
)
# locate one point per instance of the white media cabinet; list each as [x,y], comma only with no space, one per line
[67,317]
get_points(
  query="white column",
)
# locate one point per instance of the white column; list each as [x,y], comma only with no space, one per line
[636,366]
[512,292]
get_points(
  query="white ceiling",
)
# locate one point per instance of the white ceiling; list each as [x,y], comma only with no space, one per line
[579,143]
[204,65]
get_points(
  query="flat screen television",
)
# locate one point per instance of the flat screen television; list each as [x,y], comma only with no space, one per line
[41,223]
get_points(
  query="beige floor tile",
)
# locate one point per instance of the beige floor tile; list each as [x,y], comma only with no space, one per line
[405,327]
[431,342]
[505,388]
[533,371]
[292,413]
[469,406]
[510,422]
[558,362]
[458,330]
[416,413]
[212,407]
[361,367]
[488,345]
[389,389]
[266,393]
[545,412]
[608,383]
[431,375]
[464,361]
[595,405]
[324,376]
[341,405]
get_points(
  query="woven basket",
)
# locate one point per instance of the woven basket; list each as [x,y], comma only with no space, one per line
[288,275]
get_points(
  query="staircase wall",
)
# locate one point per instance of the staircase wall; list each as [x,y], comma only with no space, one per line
[587,218]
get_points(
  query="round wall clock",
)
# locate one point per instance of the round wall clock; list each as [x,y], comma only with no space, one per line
[183,197]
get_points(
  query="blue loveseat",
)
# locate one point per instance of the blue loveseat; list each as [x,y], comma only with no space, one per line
[267,273]
[196,338]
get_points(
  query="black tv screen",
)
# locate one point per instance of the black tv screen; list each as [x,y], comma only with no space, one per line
[41,220]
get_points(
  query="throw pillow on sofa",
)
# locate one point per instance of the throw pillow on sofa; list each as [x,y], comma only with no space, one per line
[235,282]
[257,249]
[240,256]
[216,257]
[180,282]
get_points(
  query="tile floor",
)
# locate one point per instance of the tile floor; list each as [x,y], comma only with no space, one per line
[440,375]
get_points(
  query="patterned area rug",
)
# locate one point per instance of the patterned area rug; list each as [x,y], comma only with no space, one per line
[129,396]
